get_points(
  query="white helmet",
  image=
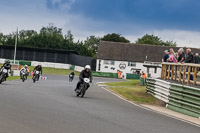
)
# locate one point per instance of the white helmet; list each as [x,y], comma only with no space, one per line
[25,66]
[87,67]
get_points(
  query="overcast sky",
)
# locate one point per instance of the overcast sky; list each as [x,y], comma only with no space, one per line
[176,20]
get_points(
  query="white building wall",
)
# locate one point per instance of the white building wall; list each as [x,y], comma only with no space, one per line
[113,68]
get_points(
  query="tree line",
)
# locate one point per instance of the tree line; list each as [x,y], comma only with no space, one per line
[52,37]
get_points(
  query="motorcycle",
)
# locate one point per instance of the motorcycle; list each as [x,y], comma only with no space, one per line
[71,77]
[36,76]
[3,76]
[23,76]
[83,87]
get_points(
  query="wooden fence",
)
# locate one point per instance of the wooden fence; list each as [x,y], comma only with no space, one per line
[183,73]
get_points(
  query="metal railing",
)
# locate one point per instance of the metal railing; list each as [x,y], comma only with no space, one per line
[183,73]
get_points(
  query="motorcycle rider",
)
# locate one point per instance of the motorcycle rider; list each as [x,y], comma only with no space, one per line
[86,73]
[25,70]
[71,76]
[37,68]
[6,66]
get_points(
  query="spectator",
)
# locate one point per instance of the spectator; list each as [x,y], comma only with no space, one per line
[172,57]
[196,59]
[189,57]
[166,55]
[181,57]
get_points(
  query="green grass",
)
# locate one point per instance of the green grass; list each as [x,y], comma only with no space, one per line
[131,90]
[53,71]
[13,78]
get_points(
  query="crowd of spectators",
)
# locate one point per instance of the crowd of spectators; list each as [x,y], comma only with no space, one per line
[181,56]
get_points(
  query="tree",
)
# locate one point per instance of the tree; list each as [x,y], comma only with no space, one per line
[2,39]
[92,43]
[115,38]
[51,37]
[170,43]
[149,39]
[154,40]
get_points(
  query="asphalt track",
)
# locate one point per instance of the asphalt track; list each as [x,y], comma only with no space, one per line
[51,107]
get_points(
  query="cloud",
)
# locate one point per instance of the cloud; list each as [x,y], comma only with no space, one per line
[64,5]
[42,12]
[182,37]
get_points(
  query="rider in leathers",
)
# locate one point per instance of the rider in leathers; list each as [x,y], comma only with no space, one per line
[86,73]
[6,66]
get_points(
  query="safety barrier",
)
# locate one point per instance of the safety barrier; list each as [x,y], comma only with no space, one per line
[132,76]
[180,98]
[104,74]
[159,89]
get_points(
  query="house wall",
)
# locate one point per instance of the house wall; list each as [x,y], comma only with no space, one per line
[101,67]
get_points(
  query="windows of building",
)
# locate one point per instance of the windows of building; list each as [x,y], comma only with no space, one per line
[109,62]
[132,64]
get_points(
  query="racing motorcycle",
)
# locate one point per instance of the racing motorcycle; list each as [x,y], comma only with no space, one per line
[36,76]
[3,75]
[71,77]
[83,87]
[23,76]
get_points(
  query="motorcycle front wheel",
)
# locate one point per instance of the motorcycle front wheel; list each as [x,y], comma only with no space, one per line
[83,91]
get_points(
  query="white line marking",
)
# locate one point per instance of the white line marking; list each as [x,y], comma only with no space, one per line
[194,124]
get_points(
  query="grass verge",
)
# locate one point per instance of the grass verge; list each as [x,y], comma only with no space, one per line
[132,91]
[55,71]
[13,78]
[46,70]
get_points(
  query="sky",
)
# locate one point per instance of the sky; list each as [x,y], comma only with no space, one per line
[174,20]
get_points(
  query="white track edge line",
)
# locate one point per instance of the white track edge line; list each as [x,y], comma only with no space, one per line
[174,117]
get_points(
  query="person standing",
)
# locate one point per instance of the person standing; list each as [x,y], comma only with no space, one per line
[196,59]
[166,56]
[172,57]
[189,59]
[181,57]
[189,56]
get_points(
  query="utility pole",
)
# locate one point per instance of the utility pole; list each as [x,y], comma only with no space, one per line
[15,45]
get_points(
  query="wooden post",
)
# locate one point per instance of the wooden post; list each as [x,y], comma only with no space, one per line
[176,73]
[168,71]
[180,69]
[172,72]
[165,72]
[195,75]
[184,69]
[188,78]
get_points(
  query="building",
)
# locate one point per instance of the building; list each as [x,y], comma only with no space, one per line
[131,58]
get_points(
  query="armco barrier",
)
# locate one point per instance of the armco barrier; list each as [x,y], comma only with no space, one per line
[104,74]
[185,99]
[132,76]
[180,98]
[159,89]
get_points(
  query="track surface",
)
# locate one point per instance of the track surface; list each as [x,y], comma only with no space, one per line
[51,107]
